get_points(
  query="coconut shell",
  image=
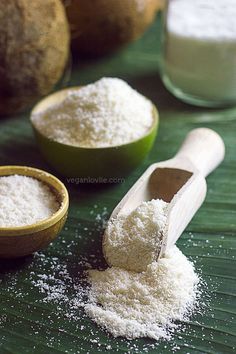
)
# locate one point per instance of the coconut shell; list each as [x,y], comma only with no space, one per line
[102,26]
[34,47]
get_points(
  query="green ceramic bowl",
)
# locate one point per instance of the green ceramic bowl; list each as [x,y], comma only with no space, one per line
[80,162]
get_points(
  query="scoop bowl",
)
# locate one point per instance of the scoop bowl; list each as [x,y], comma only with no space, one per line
[24,240]
[102,162]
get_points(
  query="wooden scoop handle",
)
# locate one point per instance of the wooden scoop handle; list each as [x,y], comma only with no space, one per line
[204,148]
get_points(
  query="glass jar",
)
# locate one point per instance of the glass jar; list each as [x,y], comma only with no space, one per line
[199,51]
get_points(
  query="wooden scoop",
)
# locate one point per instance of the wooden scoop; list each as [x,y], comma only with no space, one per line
[179,181]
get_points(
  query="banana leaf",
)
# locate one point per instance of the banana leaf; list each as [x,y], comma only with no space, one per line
[33,320]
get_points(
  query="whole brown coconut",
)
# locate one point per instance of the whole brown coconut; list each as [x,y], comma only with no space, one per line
[102,26]
[34,46]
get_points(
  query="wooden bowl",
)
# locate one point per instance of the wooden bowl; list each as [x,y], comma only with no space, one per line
[81,162]
[24,240]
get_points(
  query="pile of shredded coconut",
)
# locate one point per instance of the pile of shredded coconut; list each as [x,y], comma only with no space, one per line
[106,113]
[133,305]
[25,201]
[133,241]
[139,296]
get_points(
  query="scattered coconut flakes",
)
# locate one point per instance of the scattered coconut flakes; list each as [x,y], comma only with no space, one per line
[69,307]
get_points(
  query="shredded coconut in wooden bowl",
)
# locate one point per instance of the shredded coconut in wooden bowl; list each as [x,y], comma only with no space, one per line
[24,201]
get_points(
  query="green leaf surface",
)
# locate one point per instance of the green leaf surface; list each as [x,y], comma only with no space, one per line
[29,324]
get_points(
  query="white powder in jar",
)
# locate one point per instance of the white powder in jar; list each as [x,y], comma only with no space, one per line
[106,113]
[24,201]
[132,241]
[200,48]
